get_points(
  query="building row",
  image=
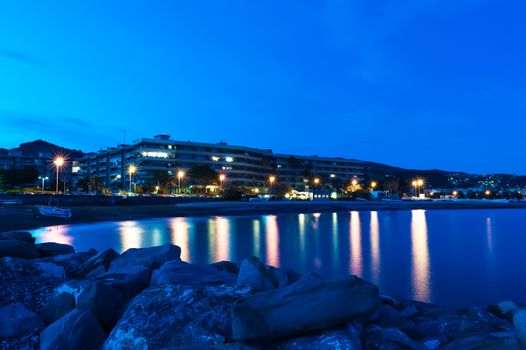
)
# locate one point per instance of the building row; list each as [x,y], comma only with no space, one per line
[242,166]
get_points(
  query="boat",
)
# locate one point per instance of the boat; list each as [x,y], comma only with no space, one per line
[11,202]
[47,210]
[55,211]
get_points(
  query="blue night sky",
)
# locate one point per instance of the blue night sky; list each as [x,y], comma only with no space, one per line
[411,83]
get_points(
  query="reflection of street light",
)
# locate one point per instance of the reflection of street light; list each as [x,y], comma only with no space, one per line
[222,178]
[180,175]
[59,161]
[43,178]
[131,170]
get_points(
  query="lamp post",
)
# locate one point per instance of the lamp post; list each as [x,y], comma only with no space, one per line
[271,180]
[354,182]
[59,161]
[180,175]
[373,185]
[43,178]
[415,184]
[222,178]
[131,170]
[420,183]
[316,183]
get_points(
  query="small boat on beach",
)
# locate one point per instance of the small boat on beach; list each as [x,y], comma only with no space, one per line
[55,211]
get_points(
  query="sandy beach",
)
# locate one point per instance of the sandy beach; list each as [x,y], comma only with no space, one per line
[27,217]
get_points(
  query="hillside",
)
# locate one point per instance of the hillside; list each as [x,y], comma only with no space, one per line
[34,147]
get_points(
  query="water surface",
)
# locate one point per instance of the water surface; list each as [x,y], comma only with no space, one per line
[450,257]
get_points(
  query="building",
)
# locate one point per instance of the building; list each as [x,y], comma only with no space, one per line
[242,166]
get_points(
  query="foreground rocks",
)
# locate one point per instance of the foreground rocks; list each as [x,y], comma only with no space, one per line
[54,298]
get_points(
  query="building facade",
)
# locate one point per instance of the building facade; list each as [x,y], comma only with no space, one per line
[242,166]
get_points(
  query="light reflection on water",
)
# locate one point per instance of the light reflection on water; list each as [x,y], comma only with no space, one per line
[448,257]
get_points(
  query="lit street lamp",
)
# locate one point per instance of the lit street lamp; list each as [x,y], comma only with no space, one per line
[222,178]
[131,170]
[180,175]
[373,185]
[354,182]
[415,184]
[420,183]
[271,180]
[43,178]
[59,161]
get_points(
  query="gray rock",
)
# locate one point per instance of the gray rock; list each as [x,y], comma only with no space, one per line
[378,338]
[347,337]
[176,316]
[283,276]
[73,287]
[519,321]
[18,235]
[310,304]
[504,309]
[151,258]
[35,267]
[71,262]
[446,326]
[100,262]
[129,281]
[255,274]
[17,320]
[227,266]
[57,307]
[190,274]
[53,249]
[78,329]
[482,342]
[105,303]
[17,249]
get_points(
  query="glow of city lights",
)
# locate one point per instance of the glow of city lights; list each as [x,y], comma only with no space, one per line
[222,177]
[420,182]
[354,182]
[180,174]
[488,192]
[59,161]
[455,193]
[414,183]
[132,169]
[316,180]
[271,179]
[373,184]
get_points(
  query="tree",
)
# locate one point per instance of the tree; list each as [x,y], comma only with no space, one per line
[203,175]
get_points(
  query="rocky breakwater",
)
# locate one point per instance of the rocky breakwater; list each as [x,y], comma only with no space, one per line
[54,298]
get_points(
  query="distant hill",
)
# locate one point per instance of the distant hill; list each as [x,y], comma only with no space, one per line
[34,147]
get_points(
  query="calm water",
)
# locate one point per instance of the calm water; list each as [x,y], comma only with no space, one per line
[450,257]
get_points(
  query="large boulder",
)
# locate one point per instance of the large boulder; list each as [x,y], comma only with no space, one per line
[57,307]
[505,309]
[284,277]
[16,320]
[310,304]
[97,264]
[347,337]
[180,272]
[378,338]
[129,281]
[18,235]
[53,249]
[227,266]
[255,274]
[105,303]
[71,262]
[18,249]
[176,316]
[519,321]
[78,329]
[35,267]
[151,258]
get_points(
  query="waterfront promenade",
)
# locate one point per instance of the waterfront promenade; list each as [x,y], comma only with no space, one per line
[25,216]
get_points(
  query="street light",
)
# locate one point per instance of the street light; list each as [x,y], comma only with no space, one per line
[43,178]
[131,170]
[222,178]
[488,192]
[59,161]
[354,182]
[455,194]
[415,184]
[271,180]
[180,175]
[373,185]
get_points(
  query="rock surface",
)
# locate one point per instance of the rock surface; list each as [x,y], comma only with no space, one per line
[53,249]
[57,307]
[310,304]
[18,235]
[16,320]
[100,261]
[173,316]
[179,272]
[105,303]
[255,274]
[151,258]
[129,281]
[78,329]
[17,249]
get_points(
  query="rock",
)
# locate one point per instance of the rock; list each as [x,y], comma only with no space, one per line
[255,274]
[446,326]
[482,342]
[177,316]
[284,277]
[347,337]
[53,249]
[100,262]
[151,258]
[396,302]
[71,262]
[378,338]
[227,266]
[190,274]
[16,320]
[78,329]
[17,249]
[504,309]
[519,321]
[18,235]
[129,281]
[73,287]
[57,307]
[390,317]
[105,303]
[35,267]
[310,304]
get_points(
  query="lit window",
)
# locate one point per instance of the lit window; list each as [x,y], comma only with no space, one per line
[333,175]
[75,169]
[170,146]
[229,159]
[215,158]
[155,154]
[279,165]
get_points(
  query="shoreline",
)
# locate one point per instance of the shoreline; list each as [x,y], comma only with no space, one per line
[26,217]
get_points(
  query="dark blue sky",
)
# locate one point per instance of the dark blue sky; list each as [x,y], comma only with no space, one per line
[421,84]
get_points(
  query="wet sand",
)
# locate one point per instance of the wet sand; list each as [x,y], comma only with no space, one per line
[27,217]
